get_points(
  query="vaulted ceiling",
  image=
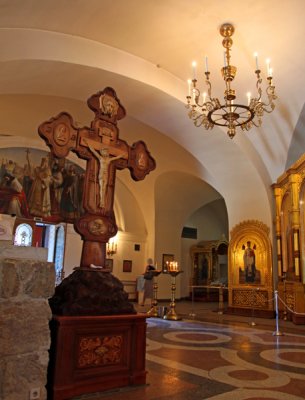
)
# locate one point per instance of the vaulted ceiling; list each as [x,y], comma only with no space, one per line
[55,53]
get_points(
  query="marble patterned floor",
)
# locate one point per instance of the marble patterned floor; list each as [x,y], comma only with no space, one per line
[219,358]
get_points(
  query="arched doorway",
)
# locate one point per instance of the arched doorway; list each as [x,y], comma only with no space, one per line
[40,234]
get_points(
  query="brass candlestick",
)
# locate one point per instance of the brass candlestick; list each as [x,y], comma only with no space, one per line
[153,312]
[171,314]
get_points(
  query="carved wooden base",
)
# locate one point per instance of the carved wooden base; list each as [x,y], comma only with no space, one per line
[94,354]
[252,301]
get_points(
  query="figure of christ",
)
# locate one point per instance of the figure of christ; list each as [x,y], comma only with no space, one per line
[104,160]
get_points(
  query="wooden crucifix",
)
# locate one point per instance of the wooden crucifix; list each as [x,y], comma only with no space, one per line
[105,153]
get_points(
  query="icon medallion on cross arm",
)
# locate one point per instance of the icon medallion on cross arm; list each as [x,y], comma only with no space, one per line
[61,134]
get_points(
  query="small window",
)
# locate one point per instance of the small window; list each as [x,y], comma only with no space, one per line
[189,233]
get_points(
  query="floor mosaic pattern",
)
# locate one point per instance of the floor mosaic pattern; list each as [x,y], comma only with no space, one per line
[192,359]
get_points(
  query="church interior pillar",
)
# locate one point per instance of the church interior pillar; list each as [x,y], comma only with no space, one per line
[25,286]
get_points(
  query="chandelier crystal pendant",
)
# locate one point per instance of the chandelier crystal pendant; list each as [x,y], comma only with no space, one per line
[207,111]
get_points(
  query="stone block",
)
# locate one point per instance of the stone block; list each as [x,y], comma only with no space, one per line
[8,250]
[42,281]
[30,278]
[24,327]
[9,281]
[23,373]
[25,286]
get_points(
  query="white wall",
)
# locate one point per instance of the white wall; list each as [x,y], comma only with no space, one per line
[73,250]
[211,221]
[126,251]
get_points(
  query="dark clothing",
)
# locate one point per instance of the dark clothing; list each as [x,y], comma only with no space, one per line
[148,285]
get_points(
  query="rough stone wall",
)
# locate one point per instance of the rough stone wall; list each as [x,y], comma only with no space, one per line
[25,286]
[8,250]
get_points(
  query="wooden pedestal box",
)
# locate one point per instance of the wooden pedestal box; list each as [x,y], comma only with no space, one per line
[93,354]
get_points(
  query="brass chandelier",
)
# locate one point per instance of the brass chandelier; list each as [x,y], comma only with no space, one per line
[207,111]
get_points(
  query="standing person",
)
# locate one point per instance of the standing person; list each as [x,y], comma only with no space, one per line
[249,263]
[13,199]
[56,188]
[69,195]
[39,196]
[27,175]
[140,289]
[149,283]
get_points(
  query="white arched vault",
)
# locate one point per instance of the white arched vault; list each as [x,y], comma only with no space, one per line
[210,220]
[129,217]
[69,66]
[177,196]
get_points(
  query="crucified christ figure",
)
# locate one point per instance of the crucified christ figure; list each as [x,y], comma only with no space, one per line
[104,160]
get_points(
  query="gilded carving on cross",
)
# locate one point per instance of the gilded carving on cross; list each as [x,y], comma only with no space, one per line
[105,153]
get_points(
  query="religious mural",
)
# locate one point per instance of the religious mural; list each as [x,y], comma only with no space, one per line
[33,183]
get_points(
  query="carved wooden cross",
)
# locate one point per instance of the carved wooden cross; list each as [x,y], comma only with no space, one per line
[104,152]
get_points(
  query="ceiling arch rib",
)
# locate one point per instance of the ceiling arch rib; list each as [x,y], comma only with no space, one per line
[17,44]
[86,55]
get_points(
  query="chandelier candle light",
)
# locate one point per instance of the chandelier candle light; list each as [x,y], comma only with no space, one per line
[208,111]
[111,247]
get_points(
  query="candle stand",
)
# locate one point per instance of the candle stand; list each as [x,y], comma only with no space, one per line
[171,314]
[153,312]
